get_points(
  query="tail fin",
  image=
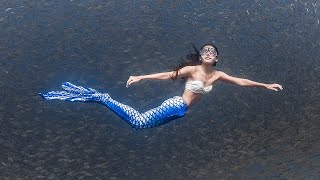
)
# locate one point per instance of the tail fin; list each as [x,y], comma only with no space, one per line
[77,89]
[73,93]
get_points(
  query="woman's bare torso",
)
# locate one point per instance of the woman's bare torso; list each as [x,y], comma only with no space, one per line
[198,75]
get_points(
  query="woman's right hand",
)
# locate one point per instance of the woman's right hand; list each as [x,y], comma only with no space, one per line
[133,79]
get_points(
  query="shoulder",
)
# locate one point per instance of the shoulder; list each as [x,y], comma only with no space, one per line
[186,71]
[189,69]
[223,76]
[221,73]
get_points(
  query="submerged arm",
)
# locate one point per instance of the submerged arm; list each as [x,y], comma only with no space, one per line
[159,76]
[246,82]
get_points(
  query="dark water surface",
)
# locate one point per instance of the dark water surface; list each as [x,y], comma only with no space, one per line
[233,133]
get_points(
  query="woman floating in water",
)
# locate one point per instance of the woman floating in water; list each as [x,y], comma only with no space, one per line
[198,72]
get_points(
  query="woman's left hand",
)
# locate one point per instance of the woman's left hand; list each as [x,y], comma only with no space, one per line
[274,87]
[133,79]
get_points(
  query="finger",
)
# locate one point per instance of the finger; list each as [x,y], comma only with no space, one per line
[281,87]
[273,88]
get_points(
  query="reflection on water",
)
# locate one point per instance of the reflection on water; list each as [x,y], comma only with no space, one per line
[233,133]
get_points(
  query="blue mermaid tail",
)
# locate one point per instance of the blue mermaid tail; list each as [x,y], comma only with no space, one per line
[170,109]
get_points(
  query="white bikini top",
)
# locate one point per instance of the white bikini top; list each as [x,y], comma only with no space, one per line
[198,87]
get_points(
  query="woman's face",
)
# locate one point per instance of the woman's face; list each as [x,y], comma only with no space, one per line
[208,54]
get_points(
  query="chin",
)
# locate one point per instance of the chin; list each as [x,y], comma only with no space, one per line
[208,63]
[209,60]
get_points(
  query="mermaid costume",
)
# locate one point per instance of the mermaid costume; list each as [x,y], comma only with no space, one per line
[170,109]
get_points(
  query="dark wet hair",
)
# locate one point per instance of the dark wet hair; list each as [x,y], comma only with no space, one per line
[192,59]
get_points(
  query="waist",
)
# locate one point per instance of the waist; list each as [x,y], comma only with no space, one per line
[191,98]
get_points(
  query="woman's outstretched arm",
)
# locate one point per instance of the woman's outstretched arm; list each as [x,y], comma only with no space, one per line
[184,72]
[246,82]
